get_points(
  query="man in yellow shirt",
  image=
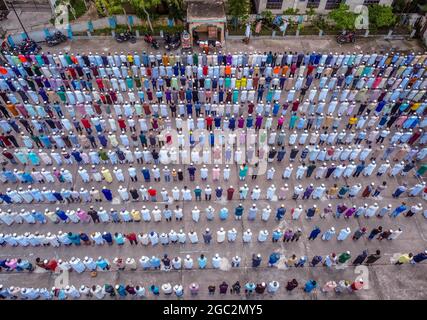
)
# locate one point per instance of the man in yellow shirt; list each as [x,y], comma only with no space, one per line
[404,258]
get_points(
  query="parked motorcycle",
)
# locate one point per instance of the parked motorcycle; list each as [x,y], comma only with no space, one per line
[125,36]
[55,39]
[348,37]
[148,38]
[26,47]
[172,42]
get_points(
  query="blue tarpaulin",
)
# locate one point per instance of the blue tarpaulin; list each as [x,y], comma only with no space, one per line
[130,20]
[90,26]
[46,32]
[69,32]
[112,22]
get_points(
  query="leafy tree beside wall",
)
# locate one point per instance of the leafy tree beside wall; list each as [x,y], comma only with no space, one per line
[238,10]
[381,16]
[344,19]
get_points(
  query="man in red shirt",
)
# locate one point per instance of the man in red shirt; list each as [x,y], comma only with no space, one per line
[230,192]
[122,123]
[86,124]
[209,122]
[153,194]
[132,238]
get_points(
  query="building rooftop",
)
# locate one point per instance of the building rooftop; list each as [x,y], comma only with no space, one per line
[206,10]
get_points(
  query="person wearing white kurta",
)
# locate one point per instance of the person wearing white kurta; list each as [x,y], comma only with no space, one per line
[397,168]
[144,239]
[349,170]
[154,238]
[216,261]
[256,193]
[247,236]
[301,171]
[175,193]
[265,215]
[319,191]
[64,265]
[157,214]
[186,194]
[369,169]
[338,171]
[271,192]
[144,261]
[119,174]
[371,210]
[182,238]
[220,235]
[97,238]
[123,193]
[288,172]
[27,216]
[51,215]
[270,173]
[145,214]
[77,265]
[6,218]
[263,235]
[395,234]
[297,212]
[188,262]
[193,237]
[320,172]
[226,173]
[52,239]
[232,235]
[103,215]
[344,233]
[89,264]
[195,214]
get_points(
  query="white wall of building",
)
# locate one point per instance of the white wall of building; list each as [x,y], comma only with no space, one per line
[302,5]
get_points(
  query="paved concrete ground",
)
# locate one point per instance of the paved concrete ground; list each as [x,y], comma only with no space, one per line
[290,43]
[386,281]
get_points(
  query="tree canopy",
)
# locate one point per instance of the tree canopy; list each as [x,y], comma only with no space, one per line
[344,19]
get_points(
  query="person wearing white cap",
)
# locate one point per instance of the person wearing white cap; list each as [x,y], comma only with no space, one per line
[263,235]
[98,292]
[273,286]
[271,192]
[63,238]
[371,210]
[123,193]
[210,213]
[265,215]
[64,265]
[297,212]
[77,265]
[395,234]
[51,215]
[176,263]
[195,214]
[319,191]
[216,261]
[154,238]
[256,193]
[85,291]
[178,290]
[235,261]
[157,214]
[52,240]
[164,239]
[192,235]
[89,264]
[72,292]
[344,233]
[182,237]
[166,289]
[287,172]
[131,264]
[231,235]
[247,236]
[7,218]
[72,215]
[226,173]
[145,214]
[125,215]
[188,262]
[328,234]
[144,261]
[97,238]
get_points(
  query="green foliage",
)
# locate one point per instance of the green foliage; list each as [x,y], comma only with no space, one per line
[268,16]
[238,8]
[109,7]
[344,19]
[381,16]
[291,12]
[310,12]
[176,9]
[320,23]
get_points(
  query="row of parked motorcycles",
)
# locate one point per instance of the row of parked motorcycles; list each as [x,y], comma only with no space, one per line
[171,42]
[57,38]
[126,36]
